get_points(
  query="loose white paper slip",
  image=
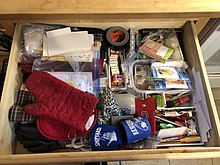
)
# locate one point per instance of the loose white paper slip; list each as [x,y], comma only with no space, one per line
[53,33]
[78,56]
[64,31]
[68,43]
[85,56]
[58,32]
[171,132]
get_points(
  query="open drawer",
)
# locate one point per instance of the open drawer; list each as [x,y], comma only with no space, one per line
[193,57]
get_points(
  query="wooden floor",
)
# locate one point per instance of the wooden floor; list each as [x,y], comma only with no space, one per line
[161,162]
[170,162]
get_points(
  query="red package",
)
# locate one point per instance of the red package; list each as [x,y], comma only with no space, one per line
[146,108]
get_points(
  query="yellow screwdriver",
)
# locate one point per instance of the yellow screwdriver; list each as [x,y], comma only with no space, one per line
[190,139]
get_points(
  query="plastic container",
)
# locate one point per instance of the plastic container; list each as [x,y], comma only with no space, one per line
[141,76]
[143,79]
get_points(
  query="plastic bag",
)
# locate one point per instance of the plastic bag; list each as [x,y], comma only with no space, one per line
[31,45]
[149,143]
[68,64]
[166,39]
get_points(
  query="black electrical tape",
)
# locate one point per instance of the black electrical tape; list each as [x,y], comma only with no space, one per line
[117,37]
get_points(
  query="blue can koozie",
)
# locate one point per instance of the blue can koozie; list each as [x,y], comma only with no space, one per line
[105,137]
[136,129]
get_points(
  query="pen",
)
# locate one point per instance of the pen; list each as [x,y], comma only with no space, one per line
[168,121]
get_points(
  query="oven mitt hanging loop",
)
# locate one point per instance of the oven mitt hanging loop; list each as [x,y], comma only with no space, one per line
[76,145]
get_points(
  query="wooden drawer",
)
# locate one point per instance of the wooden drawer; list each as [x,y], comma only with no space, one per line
[193,57]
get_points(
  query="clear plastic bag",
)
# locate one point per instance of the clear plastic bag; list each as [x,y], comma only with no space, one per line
[149,143]
[80,70]
[31,50]
[166,39]
[31,45]
[93,66]
[80,80]
[68,64]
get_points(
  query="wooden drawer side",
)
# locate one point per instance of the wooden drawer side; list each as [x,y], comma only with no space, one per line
[194,58]
[13,80]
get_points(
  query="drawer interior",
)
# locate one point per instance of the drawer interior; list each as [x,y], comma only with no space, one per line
[193,57]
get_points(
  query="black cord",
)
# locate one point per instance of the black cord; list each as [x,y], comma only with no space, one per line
[3,50]
[5,41]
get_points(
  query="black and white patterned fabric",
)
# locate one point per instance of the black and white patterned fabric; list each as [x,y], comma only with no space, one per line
[107,106]
[16,112]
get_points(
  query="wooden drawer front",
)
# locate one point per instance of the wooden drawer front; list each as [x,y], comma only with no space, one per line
[193,57]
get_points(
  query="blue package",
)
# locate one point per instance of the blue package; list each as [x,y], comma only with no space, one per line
[179,84]
[170,73]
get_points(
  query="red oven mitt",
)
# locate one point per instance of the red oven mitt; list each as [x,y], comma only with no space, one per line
[59,101]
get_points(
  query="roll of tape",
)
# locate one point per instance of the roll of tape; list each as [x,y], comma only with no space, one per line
[117,36]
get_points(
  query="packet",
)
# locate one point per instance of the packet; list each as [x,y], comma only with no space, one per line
[156,50]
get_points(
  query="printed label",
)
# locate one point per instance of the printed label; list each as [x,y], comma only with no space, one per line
[132,127]
[107,136]
[97,136]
